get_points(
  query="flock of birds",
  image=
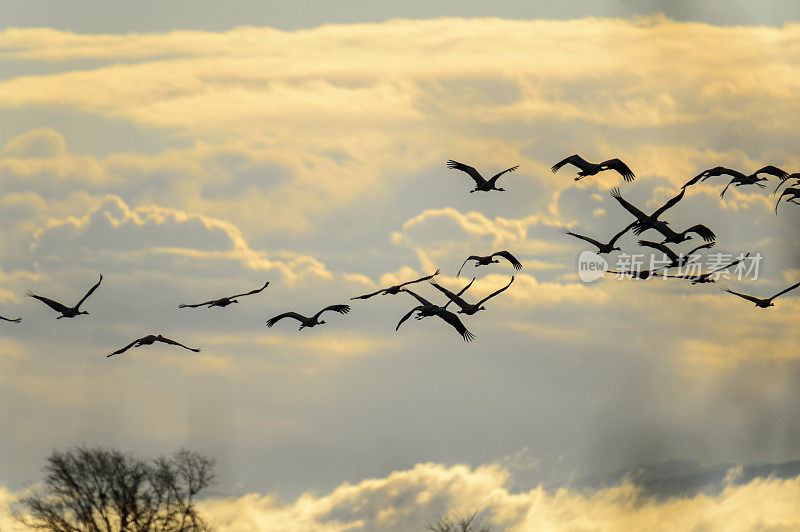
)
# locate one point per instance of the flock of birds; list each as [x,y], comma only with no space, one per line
[642,222]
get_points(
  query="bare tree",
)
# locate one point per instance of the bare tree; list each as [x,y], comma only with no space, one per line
[470,523]
[94,489]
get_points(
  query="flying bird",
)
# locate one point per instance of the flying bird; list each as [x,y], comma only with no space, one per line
[760,303]
[706,277]
[67,312]
[224,301]
[742,181]
[792,195]
[468,308]
[481,184]
[149,340]
[738,177]
[676,261]
[601,247]
[392,290]
[309,322]
[645,222]
[16,320]
[489,259]
[637,274]
[427,309]
[589,169]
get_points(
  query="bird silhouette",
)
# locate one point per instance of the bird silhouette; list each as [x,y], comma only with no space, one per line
[67,312]
[793,197]
[392,290]
[676,261]
[602,248]
[468,308]
[642,275]
[481,184]
[305,321]
[645,222]
[739,178]
[707,277]
[589,169]
[760,303]
[15,320]
[224,301]
[427,309]
[483,260]
[149,340]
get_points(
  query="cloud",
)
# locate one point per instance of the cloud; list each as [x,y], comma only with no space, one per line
[36,144]
[414,498]
[446,232]
[654,72]
[115,230]
[409,500]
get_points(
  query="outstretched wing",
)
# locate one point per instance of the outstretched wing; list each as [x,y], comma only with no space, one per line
[341,309]
[454,320]
[660,247]
[471,257]
[511,258]
[466,287]
[90,292]
[450,295]
[251,292]
[173,342]
[734,263]
[745,296]
[784,291]
[299,317]
[122,349]
[721,170]
[490,296]
[418,297]
[695,179]
[408,315]
[615,193]
[585,238]
[496,176]
[618,235]
[574,160]
[195,305]
[668,205]
[620,167]
[771,170]
[434,274]
[17,320]
[478,178]
[703,232]
[367,296]
[55,305]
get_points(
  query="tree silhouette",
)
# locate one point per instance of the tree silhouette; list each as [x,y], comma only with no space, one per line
[469,523]
[95,489]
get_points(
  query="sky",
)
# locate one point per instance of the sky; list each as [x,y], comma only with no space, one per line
[189,154]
